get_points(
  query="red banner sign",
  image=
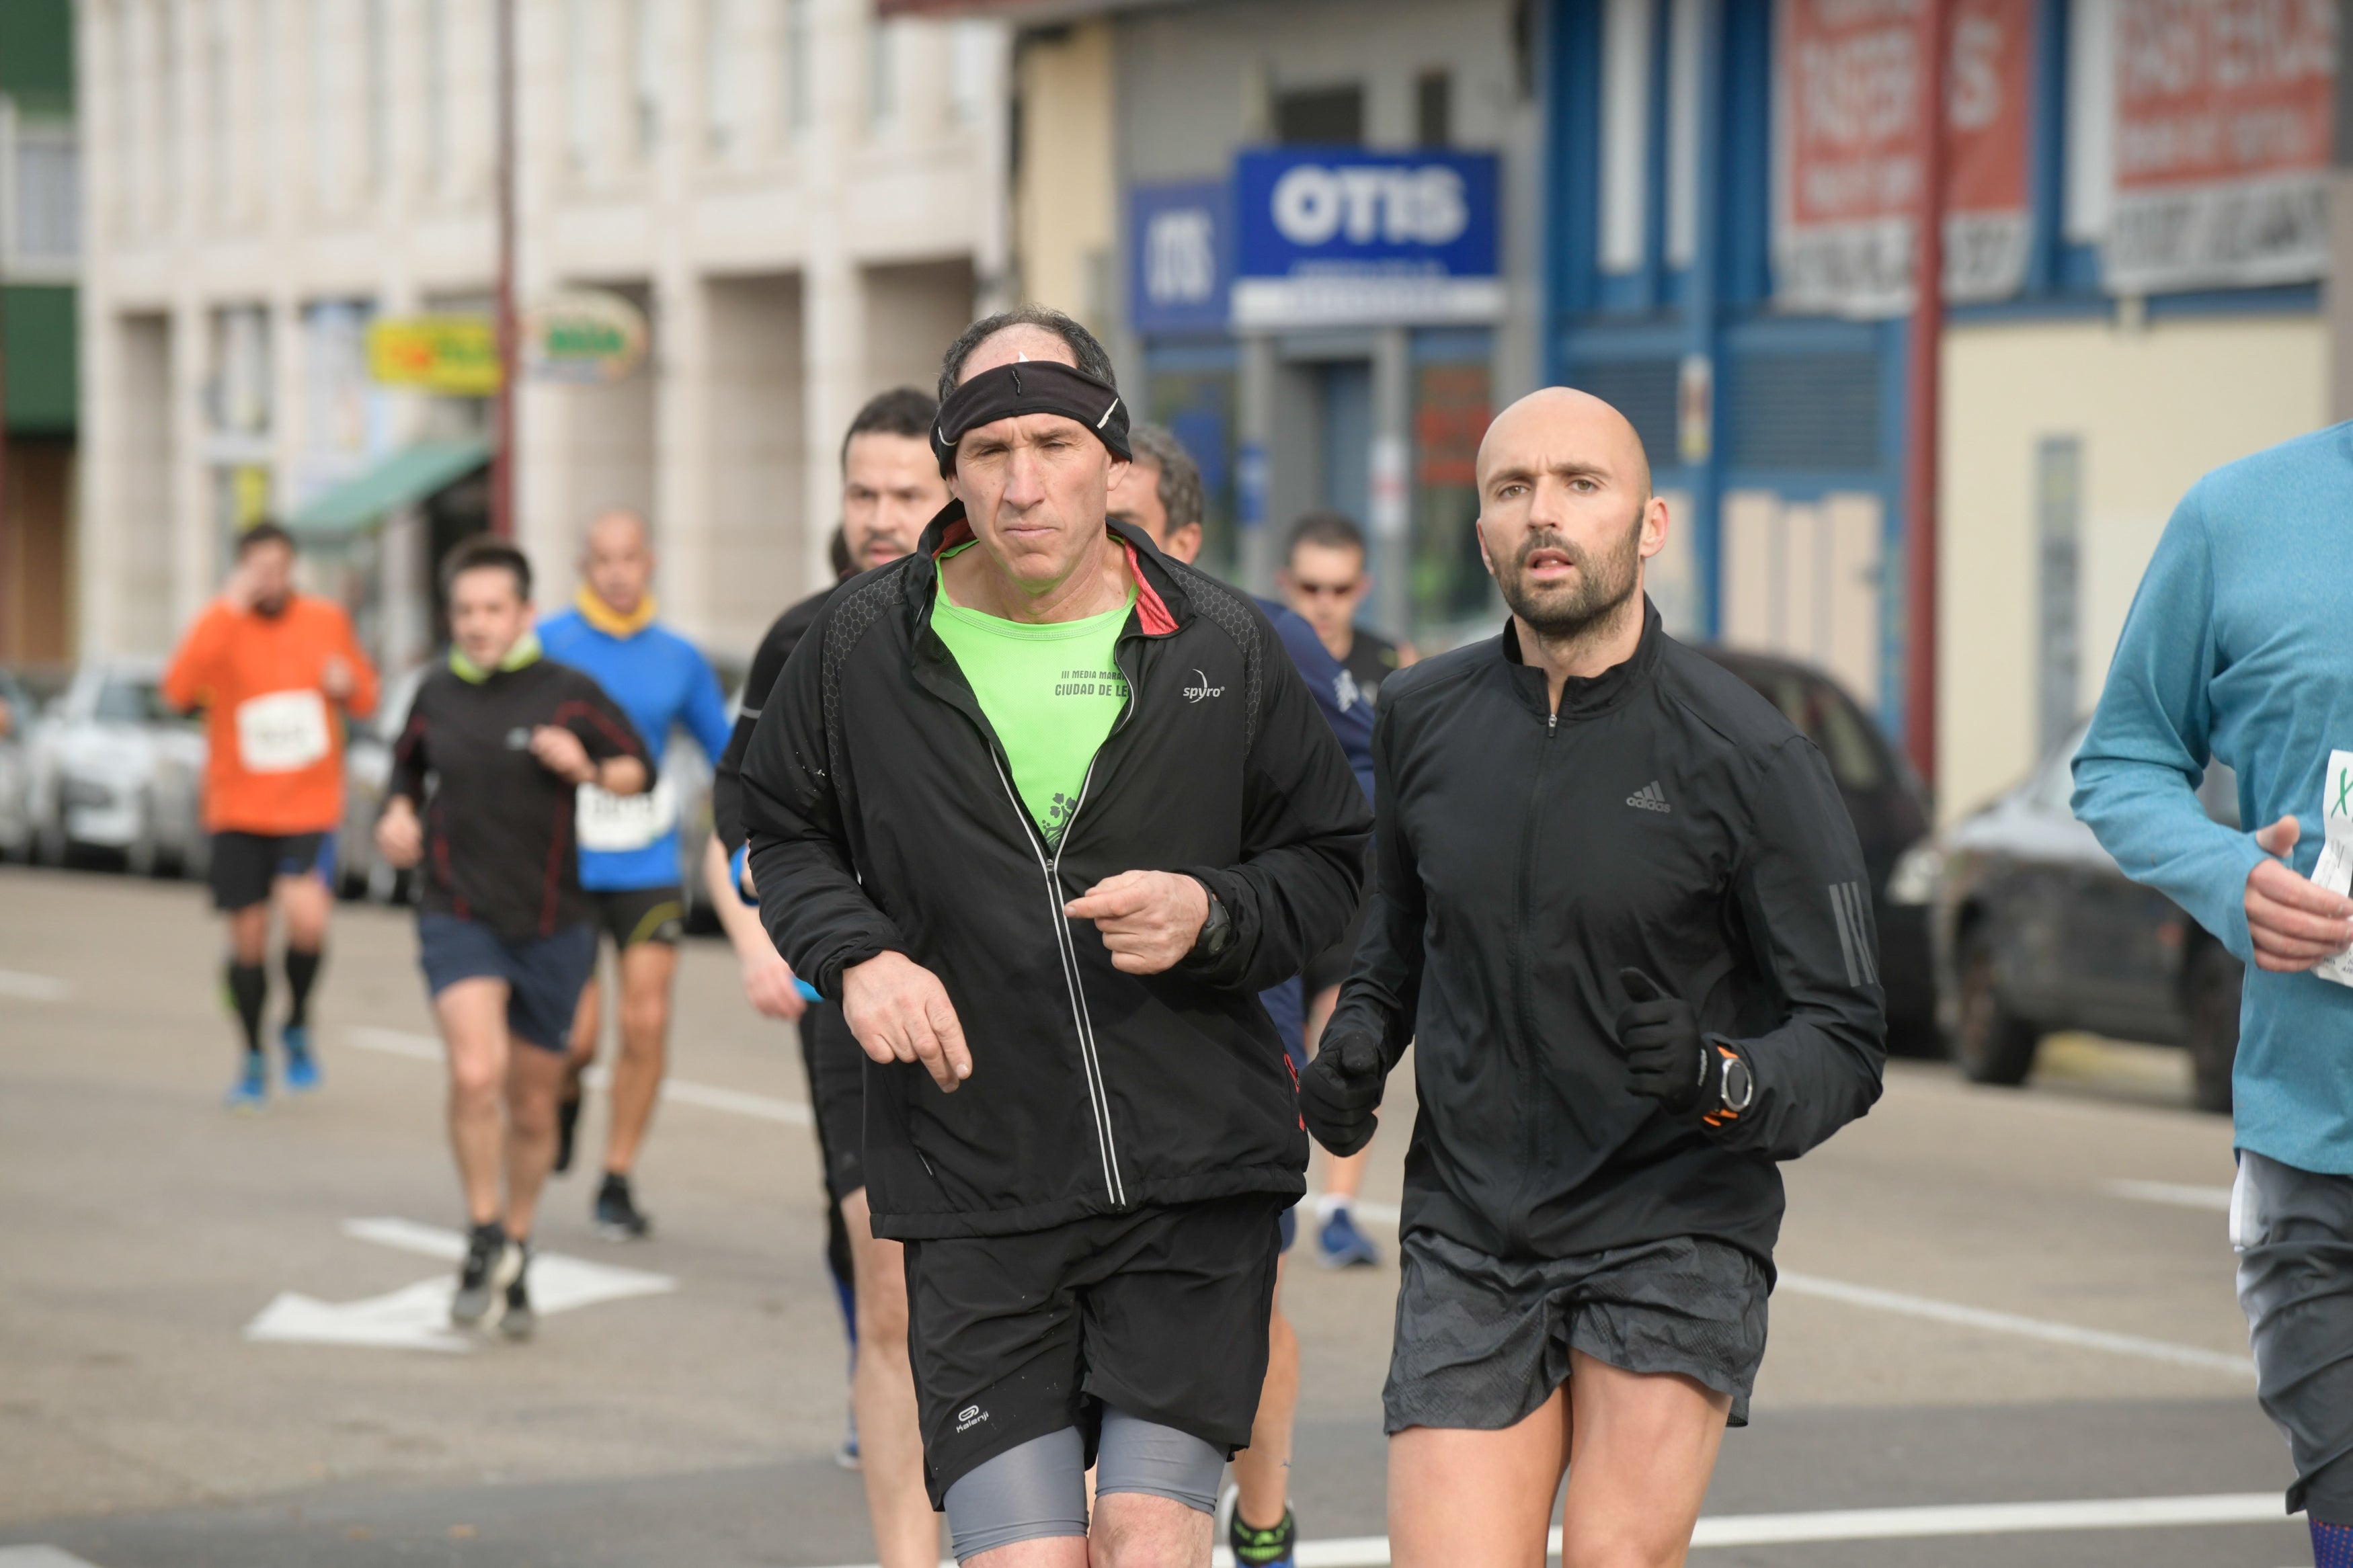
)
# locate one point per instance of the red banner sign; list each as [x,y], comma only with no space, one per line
[2225,123]
[1847,79]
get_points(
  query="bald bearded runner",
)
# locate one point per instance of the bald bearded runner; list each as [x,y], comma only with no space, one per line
[1622,917]
[1078,1116]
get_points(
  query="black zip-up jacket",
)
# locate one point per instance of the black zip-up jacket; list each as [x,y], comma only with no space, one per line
[784,635]
[1667,819]
[882,812]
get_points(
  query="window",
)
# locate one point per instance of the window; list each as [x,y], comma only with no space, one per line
[973,48]
[2090,119]
[220,128]
[436,88]
[645,43]
[169,126]
[45,228]
[1332,116]
[882,73]
[799,106]
[1682,131]
[378,66]
[720,107]
[323,98]
[579,100]
[1626,30]
[1433,108]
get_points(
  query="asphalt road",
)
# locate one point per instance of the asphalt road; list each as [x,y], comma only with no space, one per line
[2005,1332]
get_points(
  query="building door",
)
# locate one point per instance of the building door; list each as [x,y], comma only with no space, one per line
[1802,579]
[1344,480]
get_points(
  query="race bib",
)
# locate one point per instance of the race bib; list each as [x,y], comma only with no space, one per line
[282,732]
[610,823]
[2335,870]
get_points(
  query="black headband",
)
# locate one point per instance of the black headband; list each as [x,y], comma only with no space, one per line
[1031,386]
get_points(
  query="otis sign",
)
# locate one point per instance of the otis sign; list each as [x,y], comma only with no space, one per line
[1341,237]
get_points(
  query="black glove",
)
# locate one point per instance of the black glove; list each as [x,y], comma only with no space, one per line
[1340,1089]
[1659,1037]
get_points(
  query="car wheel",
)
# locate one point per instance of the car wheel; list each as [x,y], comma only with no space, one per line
[2209,999]
[1990,1044]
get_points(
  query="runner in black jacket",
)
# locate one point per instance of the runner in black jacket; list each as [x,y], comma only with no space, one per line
[890,486]
[1622,918]
[1091,1213]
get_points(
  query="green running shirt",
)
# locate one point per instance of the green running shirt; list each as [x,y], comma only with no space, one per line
[1051,693]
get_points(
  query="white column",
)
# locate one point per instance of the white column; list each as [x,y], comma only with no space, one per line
[682,450]
[833,306]
[194,576]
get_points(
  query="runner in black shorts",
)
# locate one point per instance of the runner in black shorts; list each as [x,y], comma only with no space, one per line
[1103,813]
[1621,1019]
[890,486]
[504,931]
[1325,578]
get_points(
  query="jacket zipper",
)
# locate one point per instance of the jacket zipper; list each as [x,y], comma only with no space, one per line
[1523,927]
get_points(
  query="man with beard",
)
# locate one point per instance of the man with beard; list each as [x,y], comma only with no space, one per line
[276,673]
[1621,914]
[890,486]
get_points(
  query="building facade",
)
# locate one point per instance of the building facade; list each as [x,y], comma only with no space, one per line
[39,241]
[804,202]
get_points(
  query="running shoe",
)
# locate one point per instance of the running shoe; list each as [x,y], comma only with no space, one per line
[845,1456]
[617,1217]
[519,1319]
[1340,1245]
[568,1122]
[251,1089]
[491,1264]
[1253,1547]
[301,1066]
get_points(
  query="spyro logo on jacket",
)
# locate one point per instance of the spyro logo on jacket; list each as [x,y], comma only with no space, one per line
[1196,692]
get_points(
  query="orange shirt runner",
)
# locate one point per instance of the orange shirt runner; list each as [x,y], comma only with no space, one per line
[277,741]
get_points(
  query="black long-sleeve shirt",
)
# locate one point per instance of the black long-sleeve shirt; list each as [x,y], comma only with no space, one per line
[1669,819]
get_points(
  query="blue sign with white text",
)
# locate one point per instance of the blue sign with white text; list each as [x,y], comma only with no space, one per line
[1340,236]
[1178,256]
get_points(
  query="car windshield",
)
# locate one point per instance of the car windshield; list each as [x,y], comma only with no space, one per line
[1824,716]
[129,701]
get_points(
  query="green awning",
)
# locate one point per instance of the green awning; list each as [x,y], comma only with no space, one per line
[403,478]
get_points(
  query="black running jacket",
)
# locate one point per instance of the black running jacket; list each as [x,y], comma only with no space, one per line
[1667,819]
[882,817]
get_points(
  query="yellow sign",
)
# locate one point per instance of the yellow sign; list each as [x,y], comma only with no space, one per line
[457,356]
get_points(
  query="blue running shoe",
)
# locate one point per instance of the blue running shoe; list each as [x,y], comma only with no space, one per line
[301,1066]
[1340,1245]
[251,1089]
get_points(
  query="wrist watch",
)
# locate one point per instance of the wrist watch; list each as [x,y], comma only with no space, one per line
[1216,931]
[1735,1087]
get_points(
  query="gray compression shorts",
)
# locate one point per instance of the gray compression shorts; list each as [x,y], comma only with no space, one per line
[2293,1231]
[1039,1489]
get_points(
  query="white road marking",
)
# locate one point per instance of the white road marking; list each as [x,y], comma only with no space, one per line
[1965,1317]
[1937,1521]
[40,1557]
[709,1097]
[2179,1194]
[32,988]
[417,1317]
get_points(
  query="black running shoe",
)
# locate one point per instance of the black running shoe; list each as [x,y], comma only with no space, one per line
[567,1121]
[1252,1548]
[492,1263]
[519,1320]
[617,1219]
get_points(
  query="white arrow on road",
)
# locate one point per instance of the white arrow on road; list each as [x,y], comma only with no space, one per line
[417,1317]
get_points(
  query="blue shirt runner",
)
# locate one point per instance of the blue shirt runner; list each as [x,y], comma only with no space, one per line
[662,683]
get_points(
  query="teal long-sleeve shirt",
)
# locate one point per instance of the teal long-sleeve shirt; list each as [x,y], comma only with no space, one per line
[2238,646]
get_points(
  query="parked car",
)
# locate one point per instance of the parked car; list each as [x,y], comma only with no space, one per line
[1890,808]
[2036,930]
[19,714]
[115,768]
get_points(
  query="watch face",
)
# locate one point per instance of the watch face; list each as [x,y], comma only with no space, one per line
[1738,1084]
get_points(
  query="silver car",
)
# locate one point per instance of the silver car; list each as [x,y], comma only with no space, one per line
[114,768]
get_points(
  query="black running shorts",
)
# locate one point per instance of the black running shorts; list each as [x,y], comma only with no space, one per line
[1481,1342]
[245,865]
[632,915]
[1161,1311]
[836,1075]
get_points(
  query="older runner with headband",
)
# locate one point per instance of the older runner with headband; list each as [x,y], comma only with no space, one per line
[275,672]
[1047,810]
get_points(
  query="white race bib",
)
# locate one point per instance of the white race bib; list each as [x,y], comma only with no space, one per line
[609,822]
[282,732]
[2334,869]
